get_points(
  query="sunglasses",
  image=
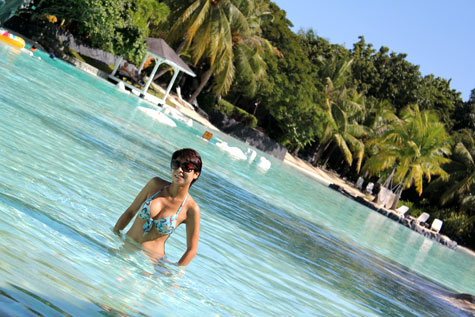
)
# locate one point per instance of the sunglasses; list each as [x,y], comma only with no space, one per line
[185,166]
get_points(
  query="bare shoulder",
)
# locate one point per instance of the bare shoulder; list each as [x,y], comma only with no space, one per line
[156,183]
[193,208]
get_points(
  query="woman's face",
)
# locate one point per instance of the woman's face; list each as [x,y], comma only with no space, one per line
[183,171]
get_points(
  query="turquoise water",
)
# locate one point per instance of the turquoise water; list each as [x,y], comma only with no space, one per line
[74,152]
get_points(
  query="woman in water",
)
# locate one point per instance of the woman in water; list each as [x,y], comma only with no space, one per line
[162,206]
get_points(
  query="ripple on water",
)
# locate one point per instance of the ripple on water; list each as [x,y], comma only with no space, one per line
[73,155]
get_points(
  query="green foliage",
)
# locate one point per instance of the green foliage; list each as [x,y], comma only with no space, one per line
[225,107]
[150,12]
[385,76]
[207,102]
[299,133]
[435,94]
[343,110]
[222,37]
[115,26]
[288,92]
[464,115]
[457,225]
[236,113]
[417,144]
[461,169]
[316,48]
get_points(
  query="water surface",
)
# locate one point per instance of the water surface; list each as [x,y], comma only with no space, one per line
[74,152]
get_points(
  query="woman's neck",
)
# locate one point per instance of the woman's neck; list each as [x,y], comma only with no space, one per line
[178,191]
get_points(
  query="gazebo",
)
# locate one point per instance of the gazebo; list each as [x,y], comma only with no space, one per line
[159,50]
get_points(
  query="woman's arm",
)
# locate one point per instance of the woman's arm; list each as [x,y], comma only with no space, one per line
[192,235]
[152,186]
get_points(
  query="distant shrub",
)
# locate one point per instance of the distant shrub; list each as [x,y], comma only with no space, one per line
[237,113]
[226,107]
[458,225]
[207,102]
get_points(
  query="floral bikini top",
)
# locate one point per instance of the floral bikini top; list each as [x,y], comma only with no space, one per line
[164,225]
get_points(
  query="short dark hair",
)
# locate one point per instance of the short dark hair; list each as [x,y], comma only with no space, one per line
[189,155]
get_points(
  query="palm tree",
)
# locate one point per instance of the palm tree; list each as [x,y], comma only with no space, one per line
[461,182]
[378,116]
[343,109]
[416,147]
[221,37]
[343,131]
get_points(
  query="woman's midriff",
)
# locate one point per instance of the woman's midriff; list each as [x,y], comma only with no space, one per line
[153,243]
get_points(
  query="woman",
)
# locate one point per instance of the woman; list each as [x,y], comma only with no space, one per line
[162,206]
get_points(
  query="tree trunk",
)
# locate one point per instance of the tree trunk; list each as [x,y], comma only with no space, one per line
[334,146]
[319,153]
[396,199]
[296,151]
[255,108]
[204,80]
[236,100]
[161,73]
[399,192]
[390,177]
[315,149]
[180,47]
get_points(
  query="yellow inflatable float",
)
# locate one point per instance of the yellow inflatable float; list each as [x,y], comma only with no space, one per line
[11,39]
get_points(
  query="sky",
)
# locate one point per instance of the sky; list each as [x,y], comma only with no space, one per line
[437,35]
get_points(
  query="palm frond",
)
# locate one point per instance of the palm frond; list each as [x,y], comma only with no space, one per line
[340,141]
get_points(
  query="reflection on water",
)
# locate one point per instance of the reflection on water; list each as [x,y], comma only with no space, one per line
[74,152]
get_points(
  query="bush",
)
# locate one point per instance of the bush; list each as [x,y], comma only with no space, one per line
[226,107]
[236,113]
[414,210]
[207,102]
[457,226]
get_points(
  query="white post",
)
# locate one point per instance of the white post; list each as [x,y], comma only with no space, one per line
[158,61]
[170,85]
[143,63]
[116,67]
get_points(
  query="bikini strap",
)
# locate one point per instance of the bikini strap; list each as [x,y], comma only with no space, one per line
[178,212]
[163,188]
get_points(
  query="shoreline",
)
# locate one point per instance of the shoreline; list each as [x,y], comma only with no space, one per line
[325,177]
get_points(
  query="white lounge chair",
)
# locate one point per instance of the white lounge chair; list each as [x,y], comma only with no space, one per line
[402,210]
[422,218]
[436,225]
[359,183]
[369,188]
